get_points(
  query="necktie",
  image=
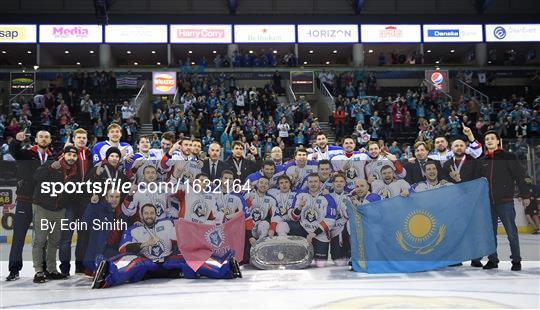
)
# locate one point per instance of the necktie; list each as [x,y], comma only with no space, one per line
[214,172]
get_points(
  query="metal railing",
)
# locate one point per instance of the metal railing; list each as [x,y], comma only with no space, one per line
[290,93]
[142,96]
[176,98]
[433,87]
[327,97]
[470,91]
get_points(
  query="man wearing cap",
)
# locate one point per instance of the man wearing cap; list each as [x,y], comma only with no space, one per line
[49,211]
[109,168]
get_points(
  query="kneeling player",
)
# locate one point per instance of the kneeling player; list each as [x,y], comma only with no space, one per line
[156,256]
[313,216]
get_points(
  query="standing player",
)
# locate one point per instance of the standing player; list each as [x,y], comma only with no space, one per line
[324,168]
[377,161]
[300,168]
[144,157]
[284,198]
[114,133]
[351,163]
[267,171]
[313,217]
[388,186]
[323,150]
[339,242]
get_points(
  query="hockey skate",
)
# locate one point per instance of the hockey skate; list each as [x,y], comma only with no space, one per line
[235,268]
[101,273]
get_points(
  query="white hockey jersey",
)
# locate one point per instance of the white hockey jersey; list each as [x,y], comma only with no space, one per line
[343,201]
[100,150]
[374,166]
[425,186]
[329,153]
[389,190]
[318,212]
[145,196]
[353,167]
[162,230]
[284,203]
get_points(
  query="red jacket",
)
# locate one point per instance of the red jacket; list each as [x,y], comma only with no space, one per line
[340,117]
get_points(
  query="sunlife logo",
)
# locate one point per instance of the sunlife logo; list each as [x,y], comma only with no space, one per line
[499,32]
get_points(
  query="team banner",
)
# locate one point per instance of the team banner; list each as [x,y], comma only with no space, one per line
[425,231]
[197,242]
[163,83]
[18,33]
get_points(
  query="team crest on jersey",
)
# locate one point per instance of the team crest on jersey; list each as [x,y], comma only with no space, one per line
[311,215]
[215,237]
[256,215]
[199,208]
[351,174]
[156,250]
[283,211]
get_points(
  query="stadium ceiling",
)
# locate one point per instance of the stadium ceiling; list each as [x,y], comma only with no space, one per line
[268,11]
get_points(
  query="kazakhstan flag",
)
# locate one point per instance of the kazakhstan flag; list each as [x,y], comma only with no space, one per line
[425,231]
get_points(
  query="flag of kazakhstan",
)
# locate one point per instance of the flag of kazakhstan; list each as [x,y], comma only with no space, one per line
[425,231]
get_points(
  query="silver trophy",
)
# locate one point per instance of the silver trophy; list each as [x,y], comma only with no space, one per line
[282,252]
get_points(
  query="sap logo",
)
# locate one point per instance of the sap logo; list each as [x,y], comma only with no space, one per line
[9,34]
[447,33]
[329,33]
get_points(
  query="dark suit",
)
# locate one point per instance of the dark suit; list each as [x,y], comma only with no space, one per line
[415,172]
[221,165]
[247,167]
[469,171]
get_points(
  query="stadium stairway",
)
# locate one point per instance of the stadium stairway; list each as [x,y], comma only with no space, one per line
[146,129]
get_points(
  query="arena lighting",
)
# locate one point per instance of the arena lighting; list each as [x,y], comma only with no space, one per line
[20,63]
[192,63]
[190,52]
[327,62]
[214,52]
[437,68]
[305,62]
[370,51]
[451,51]
[91,52]
[4,52]
[128,52]
[66,52]
[78,63]
[158,63]
[251,52]
[437,62]
[36,67]
[29,52]
[429,51]
[275,52]
[311,51]
[334,51]
[489,62]
[136,63]
[153,52]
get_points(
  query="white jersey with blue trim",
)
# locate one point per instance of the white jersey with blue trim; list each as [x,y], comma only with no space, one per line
[163,230]
[199,207]
[474,149]
[229,204]
[261,207]
[255,176]
[343,201]
[331,151]
[391,190]
[284,203]
[298,173]
[353,167]
[373,167]
[99,151]
[146,160]
[318,212]
[147,196]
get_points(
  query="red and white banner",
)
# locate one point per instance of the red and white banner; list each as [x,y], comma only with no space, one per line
[201,34]
[390,33]
[197,242]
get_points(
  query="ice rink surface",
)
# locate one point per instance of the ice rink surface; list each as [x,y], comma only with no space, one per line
[330,287]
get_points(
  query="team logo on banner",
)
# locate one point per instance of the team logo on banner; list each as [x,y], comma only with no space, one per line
[215,237]
[421,234]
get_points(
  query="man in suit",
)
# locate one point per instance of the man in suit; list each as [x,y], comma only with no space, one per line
[242,167]
[213,167]
[416,167]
